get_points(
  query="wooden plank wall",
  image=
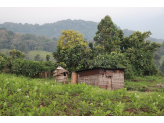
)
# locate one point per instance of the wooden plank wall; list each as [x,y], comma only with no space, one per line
[62,79]
[118,80]
[100,78]
[89,72]
[89,80]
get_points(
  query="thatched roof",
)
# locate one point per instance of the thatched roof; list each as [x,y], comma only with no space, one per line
[60,70]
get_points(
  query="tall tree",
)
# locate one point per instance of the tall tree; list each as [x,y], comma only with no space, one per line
[108,35]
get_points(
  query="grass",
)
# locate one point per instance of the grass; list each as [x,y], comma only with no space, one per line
[21,96]
[146,84]
[33,53]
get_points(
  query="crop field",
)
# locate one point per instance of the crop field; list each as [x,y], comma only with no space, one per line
[21,96]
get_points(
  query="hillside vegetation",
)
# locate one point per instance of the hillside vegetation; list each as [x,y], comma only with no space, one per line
[88,28]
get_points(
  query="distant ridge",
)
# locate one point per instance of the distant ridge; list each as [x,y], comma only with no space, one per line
[88,28]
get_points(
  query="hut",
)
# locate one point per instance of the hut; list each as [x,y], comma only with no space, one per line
[61,75]
[107,78]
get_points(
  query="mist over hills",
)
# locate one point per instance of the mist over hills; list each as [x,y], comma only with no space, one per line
[50,30]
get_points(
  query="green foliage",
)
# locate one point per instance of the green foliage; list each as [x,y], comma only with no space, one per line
[26,42]
[70,38]
[22,96]
[3,55]
[16,54]
[108,35]
[90,45]
[112,60]
[162,67]
[31,68]
[73,52]
[75,57]
[47,57]
[140,53]
[37,57]
[2,62]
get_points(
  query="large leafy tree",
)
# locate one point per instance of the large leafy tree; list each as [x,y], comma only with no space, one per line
[13,55]
[140,53]
[108,35]
[72,50]
[70,38]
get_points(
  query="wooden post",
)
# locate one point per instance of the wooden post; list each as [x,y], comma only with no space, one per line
[45,74]
[74,78]
[109,83]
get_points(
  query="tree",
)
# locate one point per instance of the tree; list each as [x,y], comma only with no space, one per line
[37,57]
[14,55]
[140,53]
[108,35]
[157,57]
[71,50]
[12,47]
[70,38]
[26,50]
[162,67]
[47,57]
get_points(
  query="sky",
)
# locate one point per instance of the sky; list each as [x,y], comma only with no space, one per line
[132,17]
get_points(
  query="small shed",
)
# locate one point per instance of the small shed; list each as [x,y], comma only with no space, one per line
[107,78]
[61,75]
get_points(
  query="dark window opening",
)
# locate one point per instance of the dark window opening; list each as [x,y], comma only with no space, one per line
[64,74]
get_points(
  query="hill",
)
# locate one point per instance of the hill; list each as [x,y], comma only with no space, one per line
[88,28]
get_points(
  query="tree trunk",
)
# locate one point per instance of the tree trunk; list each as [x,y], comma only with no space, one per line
[74,78]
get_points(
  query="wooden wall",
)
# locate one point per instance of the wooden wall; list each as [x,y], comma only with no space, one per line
[107,79]
[89,80]
[118,80]
[63,79]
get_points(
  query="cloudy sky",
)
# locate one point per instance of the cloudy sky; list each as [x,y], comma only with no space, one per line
[133,18]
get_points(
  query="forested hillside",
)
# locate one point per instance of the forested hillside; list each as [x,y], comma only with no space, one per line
[88,28]
[26,42]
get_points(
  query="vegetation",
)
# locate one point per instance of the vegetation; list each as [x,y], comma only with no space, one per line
[26,42]
[88,28]
[22,96]
[31,54]
[111,49]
